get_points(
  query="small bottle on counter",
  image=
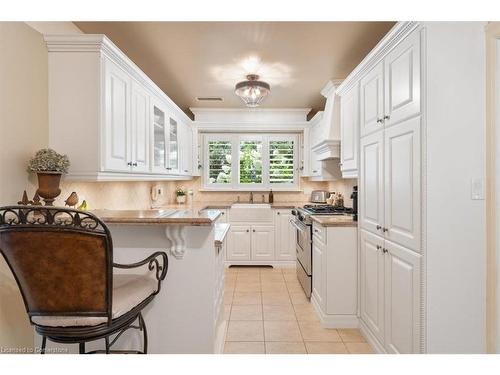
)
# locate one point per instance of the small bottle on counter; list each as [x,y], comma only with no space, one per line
[271,197]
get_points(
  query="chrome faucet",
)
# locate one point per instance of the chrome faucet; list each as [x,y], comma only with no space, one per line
[251,197]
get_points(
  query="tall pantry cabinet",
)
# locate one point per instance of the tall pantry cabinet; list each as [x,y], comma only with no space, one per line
[394,124]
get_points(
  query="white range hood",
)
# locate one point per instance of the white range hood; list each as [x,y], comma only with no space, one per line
[326,143]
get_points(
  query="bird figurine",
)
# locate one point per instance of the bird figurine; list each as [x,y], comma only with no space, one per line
[84,206]
[24,200]
[72,200]
[36,200]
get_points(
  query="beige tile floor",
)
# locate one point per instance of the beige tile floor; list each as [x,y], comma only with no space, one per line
[267,312]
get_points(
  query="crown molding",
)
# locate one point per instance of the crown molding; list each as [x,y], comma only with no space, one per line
[330,87]
[400,31]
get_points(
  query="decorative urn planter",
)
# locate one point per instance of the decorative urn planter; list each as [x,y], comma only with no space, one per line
[48,186]
[181,199]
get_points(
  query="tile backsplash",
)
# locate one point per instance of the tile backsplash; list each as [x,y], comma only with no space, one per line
[136,195]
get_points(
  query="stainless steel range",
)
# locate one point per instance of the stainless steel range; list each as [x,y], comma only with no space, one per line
[303,225]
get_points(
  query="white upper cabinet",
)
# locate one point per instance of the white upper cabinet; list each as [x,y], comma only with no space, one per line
[122,127]
[159,130]
[372,283]
[186,149]
[349,133]
[402,184]
[371,181]
[117,127]
[402,299]
[173,145]
[140,129]
[402,81]
[371,90]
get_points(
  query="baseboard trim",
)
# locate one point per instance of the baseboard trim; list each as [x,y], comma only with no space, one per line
[370,338]
[334,321]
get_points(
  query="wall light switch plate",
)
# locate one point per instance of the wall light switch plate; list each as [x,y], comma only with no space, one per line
[477,188]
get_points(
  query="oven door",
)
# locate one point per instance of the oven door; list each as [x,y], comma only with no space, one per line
[303,244]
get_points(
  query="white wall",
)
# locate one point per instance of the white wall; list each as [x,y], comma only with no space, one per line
[23,130]
[456,226]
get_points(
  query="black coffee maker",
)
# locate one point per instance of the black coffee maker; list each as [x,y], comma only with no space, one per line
[354,197]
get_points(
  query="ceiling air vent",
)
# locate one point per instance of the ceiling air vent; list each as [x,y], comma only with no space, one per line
[209,99]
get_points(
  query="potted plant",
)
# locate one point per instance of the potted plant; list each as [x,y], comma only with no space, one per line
[180,194]
[49,167]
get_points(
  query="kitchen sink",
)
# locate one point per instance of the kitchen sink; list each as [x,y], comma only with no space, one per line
[251,212]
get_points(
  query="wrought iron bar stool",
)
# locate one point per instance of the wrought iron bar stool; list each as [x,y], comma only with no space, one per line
[62,260]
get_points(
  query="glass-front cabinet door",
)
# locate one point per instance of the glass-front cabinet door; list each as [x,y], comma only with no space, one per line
[173,146]
[159,140]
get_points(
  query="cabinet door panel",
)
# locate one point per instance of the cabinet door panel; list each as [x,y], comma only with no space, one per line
[173,146]
[372,283]
[402,299]
[402,183]
[238,243]
[263,242]
[318,289]
[186,147]
[371,191]
[285,236]
[349,131]
[159,135]
[402,81]
[372,100]
[140,129]
[117,125]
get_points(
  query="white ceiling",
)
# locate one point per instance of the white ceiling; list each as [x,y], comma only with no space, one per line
[192,59]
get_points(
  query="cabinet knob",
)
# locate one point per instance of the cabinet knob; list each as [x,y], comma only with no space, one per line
[385,250]
[134,164]
[315,171]
[129,163]
[385,230]
[248,230]
[379,247]
[387,117]
[168,168]
[279,213]
[379,120]
[254,230]
[378,227]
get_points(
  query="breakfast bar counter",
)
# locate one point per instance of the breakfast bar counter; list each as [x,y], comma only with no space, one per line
[187,314]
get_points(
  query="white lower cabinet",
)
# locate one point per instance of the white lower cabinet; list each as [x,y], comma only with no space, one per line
[318,292]
[285,236]
[402,299]
[390,293]
[262,242]
[239,243]
[267,241]
[372,283]
[335,276]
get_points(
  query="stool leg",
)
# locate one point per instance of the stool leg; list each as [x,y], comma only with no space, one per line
[44,343]
[106,340]
[145,333]
[82,348]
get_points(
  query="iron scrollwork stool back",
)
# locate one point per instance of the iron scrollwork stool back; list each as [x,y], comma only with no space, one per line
[62,260]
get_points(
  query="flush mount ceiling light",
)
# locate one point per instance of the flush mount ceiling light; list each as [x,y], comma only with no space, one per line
[252,91]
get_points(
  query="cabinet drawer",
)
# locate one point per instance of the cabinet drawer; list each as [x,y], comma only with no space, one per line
[319,233]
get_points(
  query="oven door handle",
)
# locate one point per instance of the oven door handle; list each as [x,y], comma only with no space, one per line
[300,226]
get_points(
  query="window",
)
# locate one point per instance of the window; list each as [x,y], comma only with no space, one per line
[219,162]
[250,161]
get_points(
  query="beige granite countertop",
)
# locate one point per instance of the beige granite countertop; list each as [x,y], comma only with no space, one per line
[221,230]
[224,205]
[335,220]
[179,216]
